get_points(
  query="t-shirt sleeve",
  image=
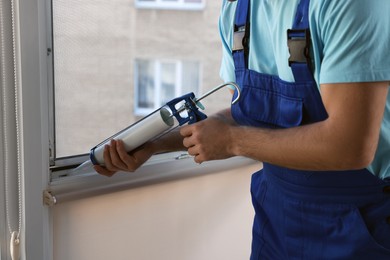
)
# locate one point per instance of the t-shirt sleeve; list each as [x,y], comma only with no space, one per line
[355,35]
[226,31]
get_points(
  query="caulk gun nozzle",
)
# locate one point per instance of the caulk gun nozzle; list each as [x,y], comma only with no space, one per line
[85,167]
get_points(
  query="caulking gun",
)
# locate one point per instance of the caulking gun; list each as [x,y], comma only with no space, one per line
[175,113]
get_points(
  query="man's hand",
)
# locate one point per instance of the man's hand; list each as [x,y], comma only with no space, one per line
[208,140]
[117,159]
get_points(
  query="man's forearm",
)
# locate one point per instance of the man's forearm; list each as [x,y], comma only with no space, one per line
[170,142]
[309,147]
[347,139]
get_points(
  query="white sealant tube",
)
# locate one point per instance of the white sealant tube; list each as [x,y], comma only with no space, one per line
[138,134]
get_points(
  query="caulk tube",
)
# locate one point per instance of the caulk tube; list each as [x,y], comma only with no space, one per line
[137,134]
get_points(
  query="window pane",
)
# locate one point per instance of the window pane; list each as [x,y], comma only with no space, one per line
[145,84]
[190,79]
[168,82]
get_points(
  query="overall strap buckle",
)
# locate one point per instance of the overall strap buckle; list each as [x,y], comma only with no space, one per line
[238,38]
[241,38]
[298,41]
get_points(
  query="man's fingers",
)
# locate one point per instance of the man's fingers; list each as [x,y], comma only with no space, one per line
[193,151]
[187,142]
[186,131]
[107,159]
[127,159]
[116,159]
[123,155]
[103,171]
[198,159]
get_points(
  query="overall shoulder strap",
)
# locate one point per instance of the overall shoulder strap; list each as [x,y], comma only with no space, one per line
[299,42]
[241,35]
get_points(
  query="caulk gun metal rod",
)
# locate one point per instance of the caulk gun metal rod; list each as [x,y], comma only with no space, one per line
[182,108]
[218,88]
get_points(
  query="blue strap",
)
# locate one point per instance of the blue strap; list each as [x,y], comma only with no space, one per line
[301,20]
[302,71]
[242,12]
[241,19]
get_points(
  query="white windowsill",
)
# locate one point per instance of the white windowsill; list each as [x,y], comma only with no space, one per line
[161,168]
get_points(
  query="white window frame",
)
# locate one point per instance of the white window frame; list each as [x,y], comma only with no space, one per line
[178,5]
[36,232]
[139,111]
[36,86]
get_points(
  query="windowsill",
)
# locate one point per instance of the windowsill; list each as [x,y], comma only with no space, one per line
[161,168]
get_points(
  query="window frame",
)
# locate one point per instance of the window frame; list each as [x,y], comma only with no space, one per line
[178,5]
[36,76]
[36,234]
[65,184]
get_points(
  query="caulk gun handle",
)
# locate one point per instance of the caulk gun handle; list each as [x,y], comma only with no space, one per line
[194,115]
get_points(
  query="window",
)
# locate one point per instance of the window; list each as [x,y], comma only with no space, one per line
[157,82]
[112,64]
[171,4]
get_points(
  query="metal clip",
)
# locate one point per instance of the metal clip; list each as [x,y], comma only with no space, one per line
[15,246]
[49,199]
[298,42]
[238,39]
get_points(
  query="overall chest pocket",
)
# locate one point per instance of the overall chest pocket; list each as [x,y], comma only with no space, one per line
[270,108]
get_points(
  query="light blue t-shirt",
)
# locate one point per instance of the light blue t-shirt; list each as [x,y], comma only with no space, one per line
[350,41]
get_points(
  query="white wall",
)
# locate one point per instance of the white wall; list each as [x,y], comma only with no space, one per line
[206,217]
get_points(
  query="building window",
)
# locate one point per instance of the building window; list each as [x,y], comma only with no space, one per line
[157,82]
[171,4]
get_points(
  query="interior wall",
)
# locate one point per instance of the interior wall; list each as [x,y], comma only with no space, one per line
[205,217]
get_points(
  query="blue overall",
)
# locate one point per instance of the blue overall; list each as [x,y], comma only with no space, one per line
[305,214]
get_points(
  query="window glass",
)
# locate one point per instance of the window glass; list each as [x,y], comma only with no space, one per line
[190,76]
[145,84]
[168,82]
